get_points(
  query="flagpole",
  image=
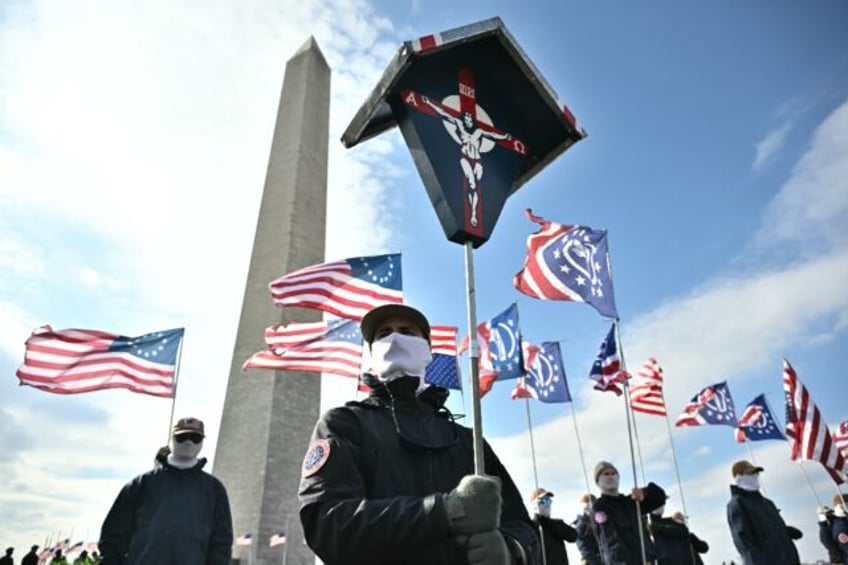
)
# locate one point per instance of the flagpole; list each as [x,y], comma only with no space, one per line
[474,354]
[580,450]
[632,414]
[176,379]
[809,482]
[535,472]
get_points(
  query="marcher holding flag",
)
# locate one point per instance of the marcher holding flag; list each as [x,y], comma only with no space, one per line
[390,479]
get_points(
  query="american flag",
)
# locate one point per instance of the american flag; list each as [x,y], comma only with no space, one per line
[712,406]
[757,422]
[331,346]
[646,389]
[499,340]
[246,539]
[811,439]
[606,369]
[73,361]
[348,288]
[443,370]
[277,539]
[567,263]
[840,436]
[545,379]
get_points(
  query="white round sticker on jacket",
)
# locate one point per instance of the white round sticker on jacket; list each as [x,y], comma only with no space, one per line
[317,454]
[600,517]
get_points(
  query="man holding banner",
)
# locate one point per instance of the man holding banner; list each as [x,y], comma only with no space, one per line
[390,479]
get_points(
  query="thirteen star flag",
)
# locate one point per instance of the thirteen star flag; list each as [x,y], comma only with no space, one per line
[545,379]
[73,361]
[757,422]
[606,369]
[348,288]
[712,406]
[567,263]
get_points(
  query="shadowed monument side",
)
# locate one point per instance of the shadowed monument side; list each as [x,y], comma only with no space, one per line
[268,416]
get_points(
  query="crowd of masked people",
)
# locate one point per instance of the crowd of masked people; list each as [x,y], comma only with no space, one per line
[51,556]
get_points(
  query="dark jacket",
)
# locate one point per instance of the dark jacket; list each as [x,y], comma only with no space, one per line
[834,552]
[759,533]
[616,526]
[556,533]
[587,545]
[30,558]
[840,535]
[7,560]
[674,544]
[374,476]
[169,515]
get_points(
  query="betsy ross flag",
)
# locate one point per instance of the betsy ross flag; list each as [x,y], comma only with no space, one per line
[277,539]
[347,288]
[499,340]
[606,369]
[74,361]
[545,379]
[757,422]
[331,346]
[811,439]
[567,263]
[712,406]
[646,389]
[443,370]
[840,437]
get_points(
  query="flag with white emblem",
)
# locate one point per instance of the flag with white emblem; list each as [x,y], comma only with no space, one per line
[712,406]
[349,288]
[567,263]
[73,361]
[545,379]
[500,356]
[757,422]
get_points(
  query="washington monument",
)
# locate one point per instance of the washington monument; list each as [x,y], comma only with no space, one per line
[268,415]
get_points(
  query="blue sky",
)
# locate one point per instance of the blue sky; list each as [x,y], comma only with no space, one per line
[133,146]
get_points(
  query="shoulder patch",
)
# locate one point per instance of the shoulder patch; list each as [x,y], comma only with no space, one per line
[843,538]
[600,517]
[317,454]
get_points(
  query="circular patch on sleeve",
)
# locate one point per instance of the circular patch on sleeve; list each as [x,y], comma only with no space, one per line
[600,517]
[843,538]
[317,454]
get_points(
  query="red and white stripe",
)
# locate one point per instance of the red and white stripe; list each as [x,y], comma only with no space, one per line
[840,437]
[331,287]
[811,437]
[752,415]
[646,390]
[443,340]
[74,361]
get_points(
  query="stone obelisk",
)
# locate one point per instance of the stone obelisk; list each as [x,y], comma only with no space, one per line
[268,415]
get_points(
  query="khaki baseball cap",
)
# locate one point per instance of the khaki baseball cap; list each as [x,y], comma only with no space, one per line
[539,493]
[745,468]
[188,426]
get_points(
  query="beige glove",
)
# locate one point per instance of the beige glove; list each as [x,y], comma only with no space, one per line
[474,505]
[488,548]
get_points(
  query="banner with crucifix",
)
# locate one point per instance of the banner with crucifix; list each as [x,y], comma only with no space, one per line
[478,119]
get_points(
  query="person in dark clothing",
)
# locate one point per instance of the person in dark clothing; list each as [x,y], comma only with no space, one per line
[7,559]
[175,513]
[839,525]
[825,521]
[617,518]
[31,558]
[587,544]
[389,480]
[759,532]
[555,532]
[674,543]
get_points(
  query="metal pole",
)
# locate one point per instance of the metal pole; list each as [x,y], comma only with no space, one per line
[474,355]
[176,378]
[535,474]
[676,467]
[809,482]
[580,451]
[632,414]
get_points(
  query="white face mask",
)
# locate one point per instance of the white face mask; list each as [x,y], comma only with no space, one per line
[608,484]
[398,355]
[587,508]
[748,482]
[839,510]
[658,511]
[184,455]
[543,510]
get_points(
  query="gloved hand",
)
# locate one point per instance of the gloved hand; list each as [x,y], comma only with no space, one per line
[474,505]
[488,548]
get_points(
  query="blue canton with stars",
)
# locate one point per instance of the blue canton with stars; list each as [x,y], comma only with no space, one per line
[443,371]
[578,259]
[547,375]
[158,347]
[764,426]
[719,409]
[343,331]
[505,344]
[382,270]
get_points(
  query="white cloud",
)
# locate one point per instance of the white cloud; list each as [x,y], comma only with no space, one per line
[770,145]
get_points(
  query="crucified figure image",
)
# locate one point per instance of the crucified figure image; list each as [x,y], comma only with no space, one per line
[469,136]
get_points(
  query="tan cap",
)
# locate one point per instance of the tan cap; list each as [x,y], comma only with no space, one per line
[679,517]
[188,426]
[745,468]
[839,499]
[539,493]
[377,315]
[586,498]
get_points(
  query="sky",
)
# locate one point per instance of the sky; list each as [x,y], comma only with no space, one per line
[134,140]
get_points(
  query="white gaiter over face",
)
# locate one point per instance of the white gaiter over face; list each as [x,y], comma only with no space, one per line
[543,510]
[184,455]
[839,510]
[398,355]
[608,484]
[748,482]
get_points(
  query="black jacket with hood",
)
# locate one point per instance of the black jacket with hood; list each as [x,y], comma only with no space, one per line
[375,473]
[759,532]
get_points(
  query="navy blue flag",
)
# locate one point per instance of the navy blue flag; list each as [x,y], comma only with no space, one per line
[568,263]
[712,406]
[757,422]
[545,379]
[443,370]
[504,344]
